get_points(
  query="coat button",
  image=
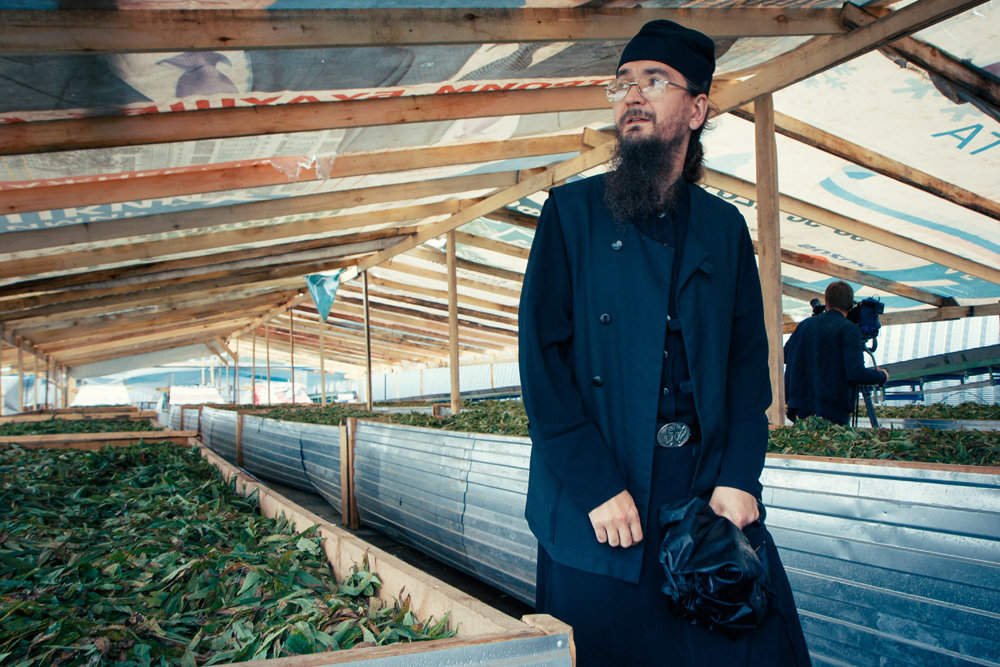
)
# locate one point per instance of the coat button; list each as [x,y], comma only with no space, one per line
[666,391]
[598,381]
[617,245]
[666,354]
[605,319]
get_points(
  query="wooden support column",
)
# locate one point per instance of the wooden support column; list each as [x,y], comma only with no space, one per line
[20,374]
[34,383]
[291,348]
[253,367]
[236,374]
[322,364]
[65,391]
[48,372]
[456,393]
[769,250]
[368,340]
[267,346]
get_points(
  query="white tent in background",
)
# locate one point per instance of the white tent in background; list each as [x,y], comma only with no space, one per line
[101,394]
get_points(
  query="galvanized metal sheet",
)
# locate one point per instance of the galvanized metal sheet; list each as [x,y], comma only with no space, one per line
[890,565]
[218,432]
[271,450]
[320,447]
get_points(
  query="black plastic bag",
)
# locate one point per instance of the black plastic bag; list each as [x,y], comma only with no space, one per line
[713,576]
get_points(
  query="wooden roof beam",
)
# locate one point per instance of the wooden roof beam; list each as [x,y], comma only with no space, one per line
[828,268]
[822,53]
[971,80]
[930,315]
[864,230]
[880,164]
[134,228]
[151,31]
[158,128]
[136,186]
[400,264]
[441,295]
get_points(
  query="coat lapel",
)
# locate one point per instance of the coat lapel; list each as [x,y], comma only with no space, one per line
[695,256]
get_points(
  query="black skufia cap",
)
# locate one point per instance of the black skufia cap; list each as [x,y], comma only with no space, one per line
[688,51]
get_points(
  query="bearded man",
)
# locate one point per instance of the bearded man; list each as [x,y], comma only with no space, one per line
[643,361]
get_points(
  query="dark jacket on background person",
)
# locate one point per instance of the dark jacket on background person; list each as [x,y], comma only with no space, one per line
[592,318]
[824,365]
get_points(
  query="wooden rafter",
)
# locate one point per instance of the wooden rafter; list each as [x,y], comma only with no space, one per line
[880,164]
[137,31]
[127,187]
[134,228]
[864,230]
[108,131]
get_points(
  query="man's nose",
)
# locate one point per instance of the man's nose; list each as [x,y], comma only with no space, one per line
[633,95]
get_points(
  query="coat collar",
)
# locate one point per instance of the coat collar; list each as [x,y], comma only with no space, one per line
[696,256]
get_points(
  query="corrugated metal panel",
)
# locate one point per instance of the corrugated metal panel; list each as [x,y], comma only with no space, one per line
[271,450]
[189,419]
[174,418]
[320,447]
[410,483]
[890,565]
[458,496]
[218,432]
[546,650]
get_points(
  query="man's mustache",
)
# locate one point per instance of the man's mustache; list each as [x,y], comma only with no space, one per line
[636,113]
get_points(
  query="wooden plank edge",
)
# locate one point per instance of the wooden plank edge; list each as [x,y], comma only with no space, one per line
[429,596]
[890,463]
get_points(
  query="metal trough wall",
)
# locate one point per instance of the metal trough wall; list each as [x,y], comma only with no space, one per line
[303,456]
[456,496]
[890,565]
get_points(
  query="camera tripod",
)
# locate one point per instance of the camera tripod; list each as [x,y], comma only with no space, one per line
[866,393]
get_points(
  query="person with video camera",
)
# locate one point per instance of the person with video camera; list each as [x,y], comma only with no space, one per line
[824,363]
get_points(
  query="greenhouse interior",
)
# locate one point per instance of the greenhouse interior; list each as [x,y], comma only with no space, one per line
[260,378]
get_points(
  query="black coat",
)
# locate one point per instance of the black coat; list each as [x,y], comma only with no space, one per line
[592,320]
[823,365]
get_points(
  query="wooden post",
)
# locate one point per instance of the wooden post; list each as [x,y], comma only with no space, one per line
[65,392]
[322,365]
[20,375]
[348,506]
[236,375]
[368,339]
[239,439]
[291,349]
[253,367]
[456,393]
[267,345]
[1,375]
[769,250]
[346,474]
[34,383]
[48,373]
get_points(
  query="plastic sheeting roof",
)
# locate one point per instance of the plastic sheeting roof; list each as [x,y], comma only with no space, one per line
[156,198]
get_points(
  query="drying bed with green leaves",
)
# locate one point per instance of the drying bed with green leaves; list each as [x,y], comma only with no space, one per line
[142,555]
[809,437]
[817,437]
[971,411]
[50,426]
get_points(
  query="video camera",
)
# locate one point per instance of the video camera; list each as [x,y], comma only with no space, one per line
[865,314]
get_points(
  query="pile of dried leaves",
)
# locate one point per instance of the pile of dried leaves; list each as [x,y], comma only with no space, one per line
[142,555]
[77,426]
[973,411]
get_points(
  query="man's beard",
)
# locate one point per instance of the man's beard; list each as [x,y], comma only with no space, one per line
[637,188]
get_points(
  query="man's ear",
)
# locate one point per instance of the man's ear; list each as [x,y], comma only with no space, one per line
[699,111]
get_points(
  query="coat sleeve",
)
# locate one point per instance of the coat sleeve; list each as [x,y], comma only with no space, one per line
[563,437]
[854,362]
[748,381]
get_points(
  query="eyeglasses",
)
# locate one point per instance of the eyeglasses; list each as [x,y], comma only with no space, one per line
[650,87]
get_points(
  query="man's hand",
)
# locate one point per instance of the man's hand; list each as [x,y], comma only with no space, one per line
[616,521]
[736,505]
